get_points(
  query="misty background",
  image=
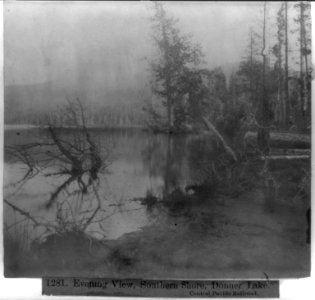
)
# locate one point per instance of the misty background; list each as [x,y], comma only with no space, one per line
[101,52]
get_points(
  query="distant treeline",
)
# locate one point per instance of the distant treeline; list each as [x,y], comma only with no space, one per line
[120,115]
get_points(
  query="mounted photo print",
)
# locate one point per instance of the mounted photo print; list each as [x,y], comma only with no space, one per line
[157,140]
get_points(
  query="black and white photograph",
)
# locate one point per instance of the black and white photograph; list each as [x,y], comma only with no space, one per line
[157,140]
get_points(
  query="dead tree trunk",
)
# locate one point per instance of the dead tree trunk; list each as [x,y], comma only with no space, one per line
[286,81]
[263,114]
[212,128]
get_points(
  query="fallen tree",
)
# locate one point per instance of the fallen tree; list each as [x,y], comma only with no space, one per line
[281,157]
[280,140]
[212,129]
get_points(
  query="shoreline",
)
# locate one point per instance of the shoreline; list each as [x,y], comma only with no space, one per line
[30,126]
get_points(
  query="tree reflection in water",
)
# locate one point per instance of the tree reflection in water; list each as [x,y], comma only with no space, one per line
[166,158]
[76,159]
[197,173]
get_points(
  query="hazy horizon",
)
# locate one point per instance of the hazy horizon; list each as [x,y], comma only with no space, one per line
[94,48]
[56,39]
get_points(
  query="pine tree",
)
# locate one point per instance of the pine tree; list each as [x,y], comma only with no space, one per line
[177,55]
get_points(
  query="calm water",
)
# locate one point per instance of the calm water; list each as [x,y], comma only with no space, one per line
[233,223]
[138,163]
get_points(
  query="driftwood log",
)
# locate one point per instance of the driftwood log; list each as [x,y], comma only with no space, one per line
[281,140]
[285,157]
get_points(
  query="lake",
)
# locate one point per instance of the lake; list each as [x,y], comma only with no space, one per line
[138,163]
[151,207]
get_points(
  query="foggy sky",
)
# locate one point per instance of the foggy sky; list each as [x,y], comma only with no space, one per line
[100,46]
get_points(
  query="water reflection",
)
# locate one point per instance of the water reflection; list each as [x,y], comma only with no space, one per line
[165,157]
[148,177]
[185,187]
[74,191]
